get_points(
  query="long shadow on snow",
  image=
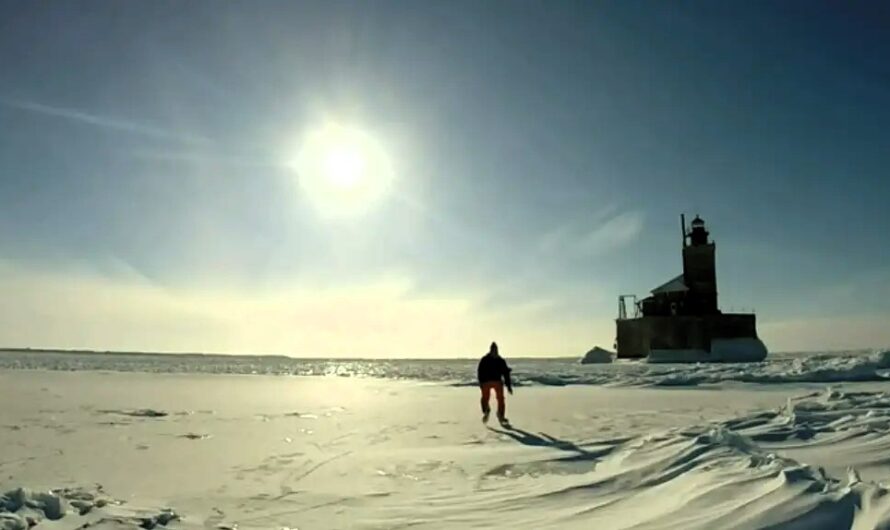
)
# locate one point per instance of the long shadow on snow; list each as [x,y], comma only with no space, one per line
[545,440]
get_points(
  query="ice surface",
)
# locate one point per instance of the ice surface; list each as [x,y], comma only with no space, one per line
[372,454]
[675,356]
[776,369]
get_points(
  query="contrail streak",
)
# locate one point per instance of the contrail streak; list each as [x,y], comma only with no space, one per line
[101,121]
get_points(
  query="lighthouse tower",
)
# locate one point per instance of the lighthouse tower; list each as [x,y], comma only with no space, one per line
[699,270]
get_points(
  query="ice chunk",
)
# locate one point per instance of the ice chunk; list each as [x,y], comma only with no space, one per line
[597,356]
[11,521]
[882,359]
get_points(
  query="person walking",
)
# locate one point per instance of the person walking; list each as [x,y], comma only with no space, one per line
[493,374]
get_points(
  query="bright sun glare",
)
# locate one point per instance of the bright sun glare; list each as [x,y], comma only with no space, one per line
[343,170]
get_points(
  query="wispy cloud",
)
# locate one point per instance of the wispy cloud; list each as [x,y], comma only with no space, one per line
[204,157]
[609,232]
[616,232]
[104,122]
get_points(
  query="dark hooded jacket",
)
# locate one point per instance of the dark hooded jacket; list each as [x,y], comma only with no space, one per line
[493,369]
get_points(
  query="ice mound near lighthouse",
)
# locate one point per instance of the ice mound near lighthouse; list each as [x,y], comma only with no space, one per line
[597,356]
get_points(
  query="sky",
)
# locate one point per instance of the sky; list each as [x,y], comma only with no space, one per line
[523,163]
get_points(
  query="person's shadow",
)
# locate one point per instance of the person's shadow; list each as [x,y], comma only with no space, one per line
[545,440]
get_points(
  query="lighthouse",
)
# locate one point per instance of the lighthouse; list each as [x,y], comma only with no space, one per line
[699,270]
[681,321]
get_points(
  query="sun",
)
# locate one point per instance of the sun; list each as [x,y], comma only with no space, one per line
[344,171]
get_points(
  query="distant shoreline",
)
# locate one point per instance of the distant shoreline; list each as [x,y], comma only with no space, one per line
[252,356]
[138,353]
[281,357]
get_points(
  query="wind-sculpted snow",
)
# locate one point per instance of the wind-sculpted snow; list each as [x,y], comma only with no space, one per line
[731,474]
[707,478]
[780,368]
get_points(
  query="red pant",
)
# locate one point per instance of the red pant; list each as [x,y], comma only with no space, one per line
[498,388]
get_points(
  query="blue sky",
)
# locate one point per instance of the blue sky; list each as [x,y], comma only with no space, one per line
[541,153]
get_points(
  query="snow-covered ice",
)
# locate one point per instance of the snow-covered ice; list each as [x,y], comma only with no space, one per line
[96,449]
